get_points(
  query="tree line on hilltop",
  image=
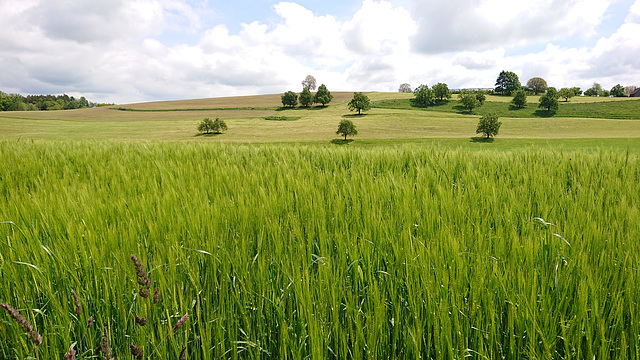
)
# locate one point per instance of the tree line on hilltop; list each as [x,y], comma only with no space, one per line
[17,102]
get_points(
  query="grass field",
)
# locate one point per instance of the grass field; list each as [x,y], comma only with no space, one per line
[415,240]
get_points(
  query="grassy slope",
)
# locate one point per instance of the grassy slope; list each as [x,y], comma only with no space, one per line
[316,124]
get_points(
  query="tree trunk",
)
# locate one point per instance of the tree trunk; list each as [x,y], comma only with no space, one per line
[345,136]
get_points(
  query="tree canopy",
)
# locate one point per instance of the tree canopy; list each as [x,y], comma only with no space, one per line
[323,96]
[359,102]
[507,83]
[520,99]
[594,90]
[289,99]
[617,91]
[309,83]
[550,100]
[306,98]
[488,125]
[441,91]
[469,100]
[347,128]
[406,88]
[207,126]
[537,85]
[424,96]
[566,94]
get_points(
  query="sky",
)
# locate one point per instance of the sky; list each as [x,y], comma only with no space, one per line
[126,51]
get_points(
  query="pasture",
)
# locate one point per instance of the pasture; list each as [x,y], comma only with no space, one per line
[412,241]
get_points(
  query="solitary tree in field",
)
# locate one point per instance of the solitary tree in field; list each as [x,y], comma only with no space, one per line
[289,99]
[359,102]
[323,96]
[207,126]
[306,98]
[406,88]
[507,83]
[576,91]
[550,100]
[309,83]
[488,125]
[566,94]
[537,85]
[469,100]
[441,91]
[345,128]
[520,99]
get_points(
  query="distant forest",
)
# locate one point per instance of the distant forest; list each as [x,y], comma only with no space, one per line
[17,102]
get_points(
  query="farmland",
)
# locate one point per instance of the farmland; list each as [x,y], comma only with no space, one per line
[413,241]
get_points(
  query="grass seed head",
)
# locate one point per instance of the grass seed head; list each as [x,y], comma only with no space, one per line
[156,296]
[76,303]
[136,351]
[24,324]
[104,347]
[183,354]
[89,322]
[144,293]
[71,355]
[180,322]
[141,321]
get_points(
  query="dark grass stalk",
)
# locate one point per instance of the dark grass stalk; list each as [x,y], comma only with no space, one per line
[177,326]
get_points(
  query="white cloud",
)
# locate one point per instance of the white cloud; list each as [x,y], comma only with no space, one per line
[634,13]
[481,25]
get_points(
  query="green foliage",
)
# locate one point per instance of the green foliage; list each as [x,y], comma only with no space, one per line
[566,94]
[577,91]
[283,118]
[481,97]
[323,96]
[17,102]
[595,90]
[469,100]
[424,96]
[537,85]
[306,97]
[441,91]
[359,102]
[289,99]
[520,99]
[549,100]
[293,252]
[488,125]
[347,128]
[507,83]
[617,91]
[207,126]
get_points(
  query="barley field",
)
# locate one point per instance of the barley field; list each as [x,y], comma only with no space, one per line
[318,252]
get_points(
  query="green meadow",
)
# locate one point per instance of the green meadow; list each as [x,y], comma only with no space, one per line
[414,240]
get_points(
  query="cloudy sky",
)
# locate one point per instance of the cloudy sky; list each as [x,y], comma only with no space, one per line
[142,50]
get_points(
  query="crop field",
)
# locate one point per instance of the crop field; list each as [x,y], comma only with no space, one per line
[271,241]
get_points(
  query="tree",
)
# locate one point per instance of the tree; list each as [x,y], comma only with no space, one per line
[359,102]
[309,83]
[441,91]
[576,91]
[306,98]
[595,90]
[405,88]
[628,90]
[488,125]
[207,126]
[323,96]
[345,128]
[507,83]
[424,96]
[550,100]
[617,91]
[218,126]
[520,99]
[481,97]
[566,94]
[289,99]
[537,85]
[469,100]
